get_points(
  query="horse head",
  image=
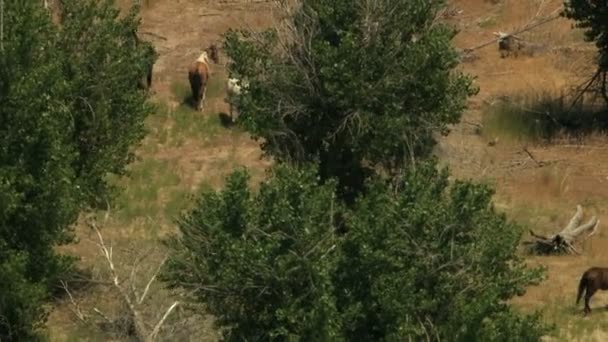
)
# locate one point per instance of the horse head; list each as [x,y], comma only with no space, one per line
[213,53]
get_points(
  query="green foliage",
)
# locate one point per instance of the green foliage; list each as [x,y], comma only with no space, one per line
[69,111]
[419,259]
[422,258]
[104,64]
[591,15]
[21,300]
[262,262]
[38,197]
[353,85]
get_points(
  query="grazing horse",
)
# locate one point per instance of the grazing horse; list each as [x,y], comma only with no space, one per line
[198,75]
[234,89]
[595,278]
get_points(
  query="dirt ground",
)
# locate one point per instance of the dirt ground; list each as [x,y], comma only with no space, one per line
[544,197]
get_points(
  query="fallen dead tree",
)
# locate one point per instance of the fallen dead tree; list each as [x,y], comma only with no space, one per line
[564,241]
[131,323]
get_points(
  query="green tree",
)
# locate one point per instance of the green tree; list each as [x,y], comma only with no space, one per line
[38,194]
[104,64]
[420,259]
[60,133]
[262,262]
[355,84]
[425,258]
[592,15]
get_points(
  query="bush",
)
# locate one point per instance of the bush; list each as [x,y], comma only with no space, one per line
[419,259]
[355,86]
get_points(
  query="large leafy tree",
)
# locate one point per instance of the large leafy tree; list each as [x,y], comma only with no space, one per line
[355,84]
[66,119]
[38,194]
[592,15]
[262,262]
[425,258]
[104,64]
[421,259]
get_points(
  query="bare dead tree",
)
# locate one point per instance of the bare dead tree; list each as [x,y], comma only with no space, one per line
[129,296]
[564,241]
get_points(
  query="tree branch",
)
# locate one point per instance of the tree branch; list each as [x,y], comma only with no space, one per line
[76,309]
[143,296]
[156,329]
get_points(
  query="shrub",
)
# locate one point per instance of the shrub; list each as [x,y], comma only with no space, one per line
[413,259]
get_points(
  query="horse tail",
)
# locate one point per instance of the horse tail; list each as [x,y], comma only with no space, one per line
[195,82]
[582,285]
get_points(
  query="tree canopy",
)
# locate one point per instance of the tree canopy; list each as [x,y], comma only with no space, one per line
[592,15]
[353,235]
[357,85]
[69,113]
[421,259]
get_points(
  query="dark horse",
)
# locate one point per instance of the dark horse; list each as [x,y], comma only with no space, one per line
[595,278]
[150,56]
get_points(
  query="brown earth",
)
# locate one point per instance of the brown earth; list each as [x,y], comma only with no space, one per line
[544,197]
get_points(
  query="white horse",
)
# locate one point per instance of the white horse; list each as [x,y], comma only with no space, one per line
[234,89]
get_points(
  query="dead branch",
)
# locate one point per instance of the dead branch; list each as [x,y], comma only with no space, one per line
[152,34]
[102,315]
[143,296]
[76,309]
[531,25]
[134,313]
[131,300]
[564,241]
[157,327]
[532,157]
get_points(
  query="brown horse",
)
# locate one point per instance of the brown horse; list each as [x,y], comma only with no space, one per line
[198,75]
[595,278]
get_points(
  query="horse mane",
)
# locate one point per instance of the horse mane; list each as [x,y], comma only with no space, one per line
[203,58]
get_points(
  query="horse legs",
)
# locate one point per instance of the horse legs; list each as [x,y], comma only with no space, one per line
[202,100]
[230,106]
[588,296]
